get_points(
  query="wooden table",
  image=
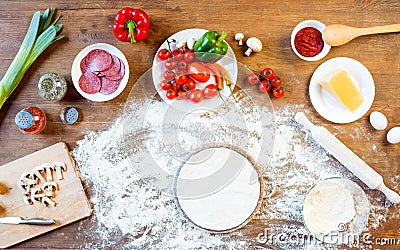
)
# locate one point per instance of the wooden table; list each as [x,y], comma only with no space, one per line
[88,22]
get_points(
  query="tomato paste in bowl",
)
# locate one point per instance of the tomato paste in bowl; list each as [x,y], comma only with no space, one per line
[307,41]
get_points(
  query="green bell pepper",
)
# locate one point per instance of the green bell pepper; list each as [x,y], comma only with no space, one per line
[211,47]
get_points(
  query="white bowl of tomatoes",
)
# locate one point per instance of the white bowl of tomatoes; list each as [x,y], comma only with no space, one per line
[186,83]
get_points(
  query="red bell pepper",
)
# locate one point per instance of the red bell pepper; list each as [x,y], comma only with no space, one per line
[131,25]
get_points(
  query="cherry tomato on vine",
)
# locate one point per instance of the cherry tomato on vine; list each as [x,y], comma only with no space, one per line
[169,74]
[278,92]
[273,81]
[178,54]
[196,96]
[165,85]
[210,91]
[179,86]
[181,95]
[264,86]
[182,65]
[180,77]
[170,63]
[164,54]
[190,84]
[253,78]
[171,94]
[189,56]
[278,80]
[267,73]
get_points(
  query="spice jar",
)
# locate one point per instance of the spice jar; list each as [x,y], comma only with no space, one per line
[30,120]
[52,87]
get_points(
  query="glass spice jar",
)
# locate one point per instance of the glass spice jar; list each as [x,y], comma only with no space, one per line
[52,87]
[31,120]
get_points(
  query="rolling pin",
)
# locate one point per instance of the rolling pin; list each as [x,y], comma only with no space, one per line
[347,157]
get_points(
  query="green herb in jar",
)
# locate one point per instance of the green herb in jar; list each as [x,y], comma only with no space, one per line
[52,87]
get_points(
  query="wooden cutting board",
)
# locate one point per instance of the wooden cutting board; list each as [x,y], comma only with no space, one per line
[72,203]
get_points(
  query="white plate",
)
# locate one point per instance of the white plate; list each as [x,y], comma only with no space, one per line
[76,72]
[326,105]
[228,62]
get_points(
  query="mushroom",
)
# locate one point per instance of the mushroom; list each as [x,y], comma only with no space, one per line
[59,168]
[190,42]
[37,173]
[36,194]
[254,45]
[27,199]
[48,168]
[181,43]
[26,179]
[47,201]
[239,37]
[49,189]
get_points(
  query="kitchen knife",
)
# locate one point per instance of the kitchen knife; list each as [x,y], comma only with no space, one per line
[30,221]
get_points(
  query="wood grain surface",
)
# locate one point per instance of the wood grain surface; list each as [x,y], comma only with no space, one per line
[88,22]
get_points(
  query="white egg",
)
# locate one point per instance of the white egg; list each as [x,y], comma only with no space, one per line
[378,120]
[393,136]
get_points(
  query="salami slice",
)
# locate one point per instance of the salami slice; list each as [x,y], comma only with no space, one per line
[108,86]
[83,65]
[121,72]
[114,67]
[98,60]
[89,83]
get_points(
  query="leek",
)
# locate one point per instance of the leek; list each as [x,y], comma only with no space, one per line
[42,32]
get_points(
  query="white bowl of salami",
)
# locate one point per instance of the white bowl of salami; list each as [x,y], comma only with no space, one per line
[100,72]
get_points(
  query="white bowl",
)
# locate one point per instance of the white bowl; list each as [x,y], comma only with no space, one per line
[76,72]
[314,24]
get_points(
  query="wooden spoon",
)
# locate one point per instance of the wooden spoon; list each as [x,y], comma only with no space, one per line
[338,34]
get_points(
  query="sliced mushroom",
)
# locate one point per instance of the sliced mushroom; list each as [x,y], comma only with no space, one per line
[181,43]
[254,44]
[59,168]
[27,198]
[36,194]
[27,179]
[47,201]
[36,173]
[51,185]
[48,168]
[239,37]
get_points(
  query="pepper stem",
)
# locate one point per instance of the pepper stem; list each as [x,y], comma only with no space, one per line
[131,25]
[221,37]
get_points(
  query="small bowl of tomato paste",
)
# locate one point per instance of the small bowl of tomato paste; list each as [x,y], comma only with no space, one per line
[307,42]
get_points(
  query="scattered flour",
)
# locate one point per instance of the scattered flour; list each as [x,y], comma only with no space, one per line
[130,212]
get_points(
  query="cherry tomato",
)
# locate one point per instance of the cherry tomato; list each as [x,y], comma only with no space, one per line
[196,96]
[199,72]
[170,63]
[253,78]
[189,56]
[169,75]
[180,77]
[264,86]
[165,85]
[278,80]
[273,82]
[267,73]
[182,65]
[210,91]
[178,54]
[171,94]
[189,85]
[179,86]
[181,95]
[278,92]
[164,54]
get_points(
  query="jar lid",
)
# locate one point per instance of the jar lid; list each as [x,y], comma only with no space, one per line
[69,115]
[24,119]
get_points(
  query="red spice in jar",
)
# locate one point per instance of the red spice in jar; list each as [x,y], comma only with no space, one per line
[308,42]
[31,120]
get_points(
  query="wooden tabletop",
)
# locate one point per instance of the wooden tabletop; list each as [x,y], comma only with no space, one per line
[88,22]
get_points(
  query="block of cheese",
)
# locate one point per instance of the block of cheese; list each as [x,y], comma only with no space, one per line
[341,87]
